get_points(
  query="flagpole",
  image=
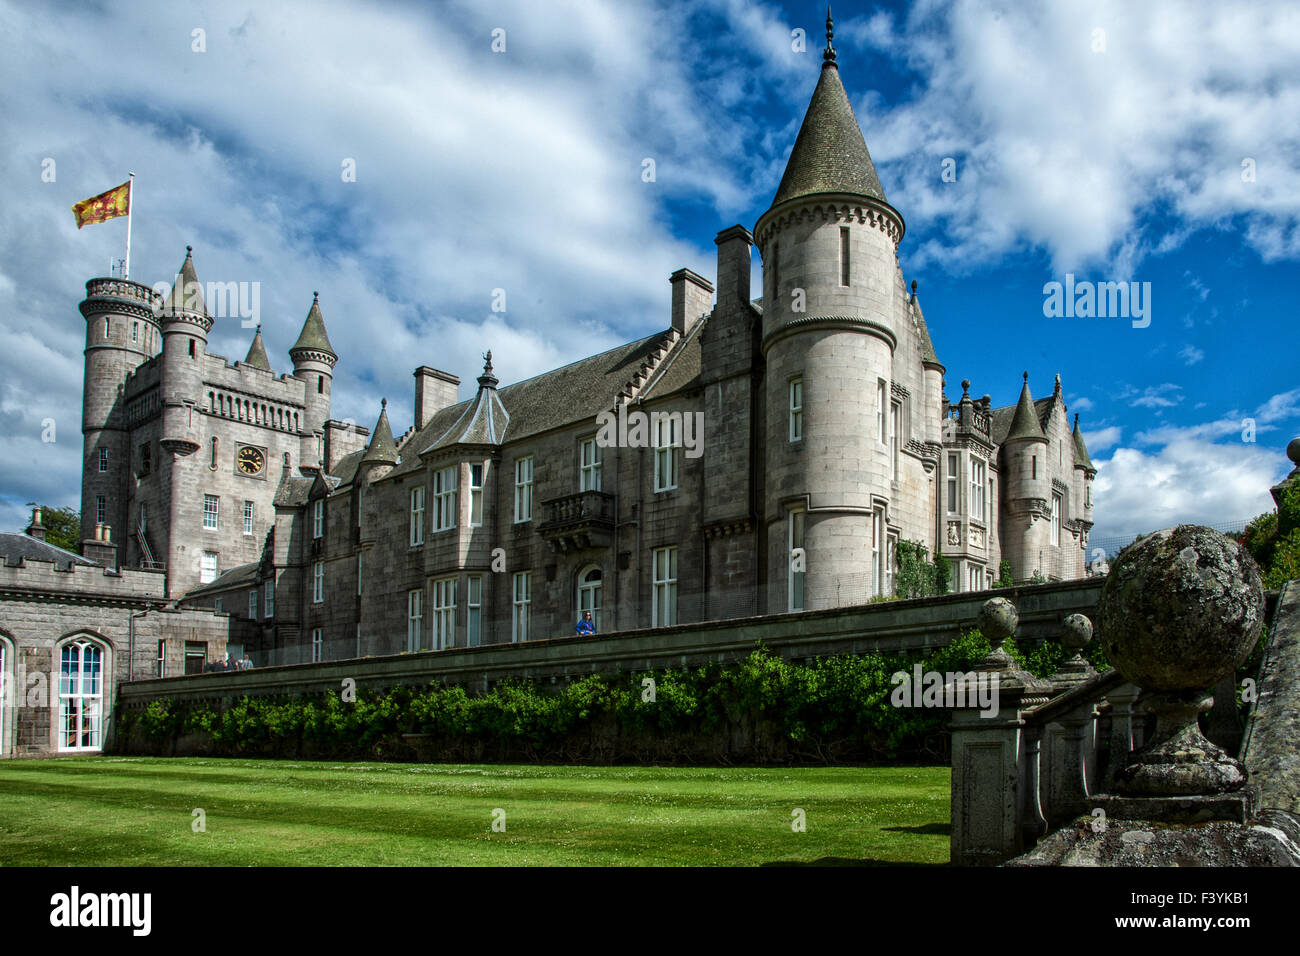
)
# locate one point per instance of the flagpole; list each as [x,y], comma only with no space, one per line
[130,202]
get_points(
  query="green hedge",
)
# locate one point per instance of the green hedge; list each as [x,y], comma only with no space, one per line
[759,709]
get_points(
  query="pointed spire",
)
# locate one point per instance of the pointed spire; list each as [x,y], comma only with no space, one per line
[828,55]
[257,352]
[187,293]
[312,338]
[928,356]
[1024,424]
[1081,459]
[829,155]
[382,450]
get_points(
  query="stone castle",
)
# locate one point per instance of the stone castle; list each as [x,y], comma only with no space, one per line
[827,438]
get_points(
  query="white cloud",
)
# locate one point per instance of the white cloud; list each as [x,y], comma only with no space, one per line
[1101,439]
[1190,354]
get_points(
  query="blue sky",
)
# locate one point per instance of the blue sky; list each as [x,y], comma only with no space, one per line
[1113,156]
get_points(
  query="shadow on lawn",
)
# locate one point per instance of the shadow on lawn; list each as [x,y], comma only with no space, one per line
[845,861]
[928,829]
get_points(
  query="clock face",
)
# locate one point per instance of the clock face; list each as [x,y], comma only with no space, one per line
[250,460]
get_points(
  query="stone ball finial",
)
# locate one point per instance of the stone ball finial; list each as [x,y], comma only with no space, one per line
[913,287]
[998,619]
[1076,632]
[1180,609]
[1026,375]
[1293,451]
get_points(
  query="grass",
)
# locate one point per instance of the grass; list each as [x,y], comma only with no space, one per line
[135,811]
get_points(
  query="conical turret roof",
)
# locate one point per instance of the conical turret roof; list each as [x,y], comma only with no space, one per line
[485,421]
[187,293]
[928,356]
[830,154]
[257,353]
[1024,424]
[1081,459]
[312,337]
[382,449]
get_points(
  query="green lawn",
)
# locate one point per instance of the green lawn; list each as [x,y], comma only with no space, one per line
[128,811]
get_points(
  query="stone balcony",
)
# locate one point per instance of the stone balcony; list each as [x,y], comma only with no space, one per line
[578,522]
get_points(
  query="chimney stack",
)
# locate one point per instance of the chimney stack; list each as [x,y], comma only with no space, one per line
[735,247]
[36,529]
[434,391]
[692,298]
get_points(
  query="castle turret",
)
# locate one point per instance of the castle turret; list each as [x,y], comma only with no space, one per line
[829,244]
[381,453]
[185,327]
[313,362]
[257,357]
[1084,472]
[1026,489]
[122,332]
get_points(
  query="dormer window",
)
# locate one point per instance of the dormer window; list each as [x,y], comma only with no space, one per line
[318,518]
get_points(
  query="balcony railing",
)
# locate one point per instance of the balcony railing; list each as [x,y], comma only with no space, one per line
[576,522]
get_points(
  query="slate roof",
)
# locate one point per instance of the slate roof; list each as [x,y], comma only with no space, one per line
[1080,449]
[293,492]
[927,347]
[1000,419]
[186,288]
[560,397]
[257,353]
[346,469]
[382,449]
[14,547]
[313,337]
[829,155]
[241,576]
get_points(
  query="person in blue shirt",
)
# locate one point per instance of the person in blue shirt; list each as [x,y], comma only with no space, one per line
[586,627]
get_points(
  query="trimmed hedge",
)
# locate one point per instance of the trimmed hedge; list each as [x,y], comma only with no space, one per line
[762,709]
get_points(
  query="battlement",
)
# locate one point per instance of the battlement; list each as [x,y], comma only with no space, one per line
[82,580]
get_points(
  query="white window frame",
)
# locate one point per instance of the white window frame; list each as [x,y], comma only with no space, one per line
[953,503]
[209,574]
[318,518]
[795,580]
[895,435]
[444,498]
[101,509]
[268,600]
[211,513]
[81,694]
[317,645]
[1056,520]
[521,605]
[248,517]
[444,613]
[668,440]
[417,515]
[477,471]
[663,607]
[796,408]
[414,619]
[318,582]
[978,476]
[252,605]
[474,610]
[891,550]
[882,392]
[161,660]
[590,463]
[103,459]
[523,489]
[591,594]
[877,545]
[974,576]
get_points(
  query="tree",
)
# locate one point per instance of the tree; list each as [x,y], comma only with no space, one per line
[1005,579]
[62,526]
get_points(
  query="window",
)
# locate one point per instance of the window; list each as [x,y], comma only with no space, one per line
[524,489]
[268,600]
[144,517]
[988,579]
[162,659]
[318,518]
[1087,493]
[880,411]
[444,613]
[1056,520]
[895,429]
[317,644]
[103,459]
[877,559]
[81,696]
[797,559]
[952,484]
[474,610]
[417,515]
[444,499]
[414,619]
[146,458]
[475,495]
[663,610]
[974,577]
[217,604]
[213,463]
[1034,465]
[590,583]
[101,509]
[135,331]
[668,437]
[196,653]
[211,511]
[252,605]
[589,476]
[208,567]
[523,599]
[891,549]
[978,471]
[108,328]
[318,582]
[248,517]
[191,348]
[844,255]
[796,409]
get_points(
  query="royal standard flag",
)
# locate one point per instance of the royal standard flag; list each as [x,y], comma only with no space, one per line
[116,202]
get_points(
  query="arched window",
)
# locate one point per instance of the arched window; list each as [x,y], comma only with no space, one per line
[214,453]
[81,695]
[6,688]
[589,596]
